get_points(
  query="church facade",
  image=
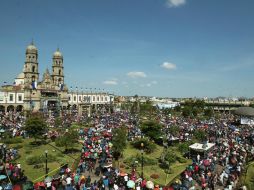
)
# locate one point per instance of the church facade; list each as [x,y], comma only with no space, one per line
[28,93]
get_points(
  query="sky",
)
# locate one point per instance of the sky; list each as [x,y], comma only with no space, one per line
[165,48]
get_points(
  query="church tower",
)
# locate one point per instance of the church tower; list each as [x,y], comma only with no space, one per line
[31,74]
[57,68]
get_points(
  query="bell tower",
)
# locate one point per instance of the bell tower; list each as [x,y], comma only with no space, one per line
[30,70]
[57,68]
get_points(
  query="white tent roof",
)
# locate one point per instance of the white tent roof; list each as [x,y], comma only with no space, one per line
[200,147]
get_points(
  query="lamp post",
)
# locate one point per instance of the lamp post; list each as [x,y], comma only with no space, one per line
[46,169]
[142,161]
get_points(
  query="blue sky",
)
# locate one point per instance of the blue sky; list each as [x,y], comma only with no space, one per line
[173,48]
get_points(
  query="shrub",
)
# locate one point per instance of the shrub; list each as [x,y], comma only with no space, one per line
[181,159]
[28,151]
[13,140]
[183,147]
[32,160]
[155,176]
[149,147]
[18,146]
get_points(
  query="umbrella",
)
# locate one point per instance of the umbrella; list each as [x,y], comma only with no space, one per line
[39,184]
[2,130]
[8,187]
[206,162]
[182,187]
[56,176]
[130,184]
[186,183]
[16,187]
[28,185]
[227,170]
[48,179]
[149,184]
[3,177]
[176,186]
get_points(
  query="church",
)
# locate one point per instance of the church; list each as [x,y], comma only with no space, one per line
[28,93]
[50,95]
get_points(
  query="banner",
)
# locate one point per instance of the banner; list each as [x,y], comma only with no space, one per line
[247,121]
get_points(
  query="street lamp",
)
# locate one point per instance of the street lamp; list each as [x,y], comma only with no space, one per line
[46,169]
[142,161]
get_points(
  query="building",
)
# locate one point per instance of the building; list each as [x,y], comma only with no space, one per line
[88,102]
[30,94]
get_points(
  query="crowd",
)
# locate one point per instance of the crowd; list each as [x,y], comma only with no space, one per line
[221,166]
[217,168]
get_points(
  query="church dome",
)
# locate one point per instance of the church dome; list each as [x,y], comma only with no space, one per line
[31,48]
[57,54]
[21,76]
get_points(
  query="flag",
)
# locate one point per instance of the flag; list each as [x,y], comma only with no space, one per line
[34,85]
[61,86]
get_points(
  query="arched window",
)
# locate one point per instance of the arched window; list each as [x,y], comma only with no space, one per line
[33,69]
[93,98]
[59,73]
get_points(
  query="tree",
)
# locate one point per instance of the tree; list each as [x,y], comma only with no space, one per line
[208,112]
[151,129]
[200,135]
[174,130]
[178,108]
[149,146]
[167,158]
[68,139]
[35,126]
[119,141]
[187,111]
[58,122]
[183,147]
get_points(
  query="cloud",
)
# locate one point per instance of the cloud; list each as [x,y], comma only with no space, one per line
[110,82]
[154,82]
[169,66]
[136,74]
[175,3]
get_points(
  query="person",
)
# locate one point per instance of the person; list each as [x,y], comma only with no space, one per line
[198,158]
[68,180]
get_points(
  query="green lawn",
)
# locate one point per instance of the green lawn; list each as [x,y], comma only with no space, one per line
[249,178]
[164,179]
[30,150]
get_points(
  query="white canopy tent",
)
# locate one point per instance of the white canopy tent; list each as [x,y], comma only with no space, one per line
[201,147]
